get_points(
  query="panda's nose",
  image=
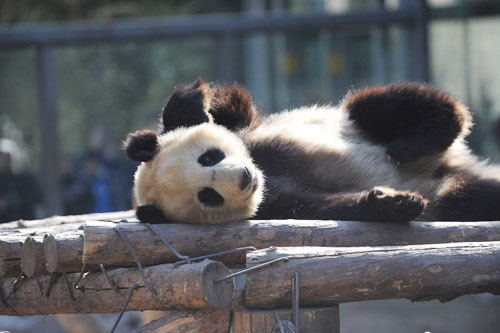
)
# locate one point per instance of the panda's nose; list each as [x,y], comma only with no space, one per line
[245,179]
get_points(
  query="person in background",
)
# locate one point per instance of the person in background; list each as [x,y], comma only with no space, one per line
[19,192]
[97,183]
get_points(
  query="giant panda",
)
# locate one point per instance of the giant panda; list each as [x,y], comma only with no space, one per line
[391,153]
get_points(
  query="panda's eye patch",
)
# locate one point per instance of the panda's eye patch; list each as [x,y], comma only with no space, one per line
[211,157]
[210,197]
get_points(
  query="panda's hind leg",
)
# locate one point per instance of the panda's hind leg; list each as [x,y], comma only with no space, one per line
[465,197]
[411,119]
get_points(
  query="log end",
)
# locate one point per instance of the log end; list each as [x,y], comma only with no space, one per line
[50,251]
[29,256]
[218,294]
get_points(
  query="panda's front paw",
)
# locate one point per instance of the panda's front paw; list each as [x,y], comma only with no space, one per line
[385,204]
[151,214]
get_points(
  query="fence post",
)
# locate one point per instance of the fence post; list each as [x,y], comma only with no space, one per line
[50,181]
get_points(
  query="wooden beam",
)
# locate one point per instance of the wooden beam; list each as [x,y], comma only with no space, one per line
[185,287]
[69,219]
[11,242]
[317,320]
[102,245]
[206,321]
[32,257]
[417,273]
[63,251]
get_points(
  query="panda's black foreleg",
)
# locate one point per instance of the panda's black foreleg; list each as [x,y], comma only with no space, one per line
[287,201]
[411,119]
[467,198]
[151,214]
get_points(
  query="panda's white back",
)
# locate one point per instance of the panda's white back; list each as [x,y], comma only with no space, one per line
[338,156]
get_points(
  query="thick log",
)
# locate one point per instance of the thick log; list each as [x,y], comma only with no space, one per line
[70,219]
[184,287]
[317,320]
[417,273]
[206,321]
[11,242]
[32,256]
[63,252]
[102,245]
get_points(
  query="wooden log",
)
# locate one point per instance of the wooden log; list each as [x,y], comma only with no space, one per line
[11,242]
[32,256]
[206,321]
[70,219]
[418,273]
[63,252]
[10,255]
[317,320]
[184,287]
[103,246]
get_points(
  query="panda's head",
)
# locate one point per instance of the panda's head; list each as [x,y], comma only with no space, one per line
[194,174]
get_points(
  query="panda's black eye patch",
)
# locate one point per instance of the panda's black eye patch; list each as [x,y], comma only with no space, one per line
[211,157]
[209,197]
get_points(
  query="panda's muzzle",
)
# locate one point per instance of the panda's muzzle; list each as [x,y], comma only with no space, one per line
[246,177]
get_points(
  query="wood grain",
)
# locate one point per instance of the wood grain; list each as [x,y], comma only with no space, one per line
[417,273]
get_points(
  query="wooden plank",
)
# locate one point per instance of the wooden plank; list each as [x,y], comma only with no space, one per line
[184,287]
[63,251]
[11,242]
[102,245]
[417,273]
[69,219]
[32,257]
[203,321]
[317,320]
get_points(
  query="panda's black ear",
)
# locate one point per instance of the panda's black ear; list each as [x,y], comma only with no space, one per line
[141,146]
[232,107]
[188,106]
[151,214]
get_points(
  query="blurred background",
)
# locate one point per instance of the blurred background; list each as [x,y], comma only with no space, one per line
[77,75]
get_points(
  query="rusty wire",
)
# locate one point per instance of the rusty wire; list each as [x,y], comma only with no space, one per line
[244,271]
[139,265]
[134,288]
[70,291]
[51,280]
[111,283]
[295,300]
[248,248]
[82,271]
[278,320]
[177,254]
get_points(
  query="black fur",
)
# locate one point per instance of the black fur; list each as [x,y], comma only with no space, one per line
[288,201]
[277,157]
[187,106]
[197,103]
[470,199]
[232,107]
[211,157]
[151,214]
[210,197]
[141,146]
[412,119]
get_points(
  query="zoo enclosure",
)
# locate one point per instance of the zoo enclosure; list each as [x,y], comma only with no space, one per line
[45,38]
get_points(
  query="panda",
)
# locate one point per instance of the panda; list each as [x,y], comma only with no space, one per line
[391,153]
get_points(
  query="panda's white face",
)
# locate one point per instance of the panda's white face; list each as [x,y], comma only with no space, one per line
[201,174]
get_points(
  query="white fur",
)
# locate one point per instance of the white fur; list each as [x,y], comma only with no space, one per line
[339,158]
[173,178]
